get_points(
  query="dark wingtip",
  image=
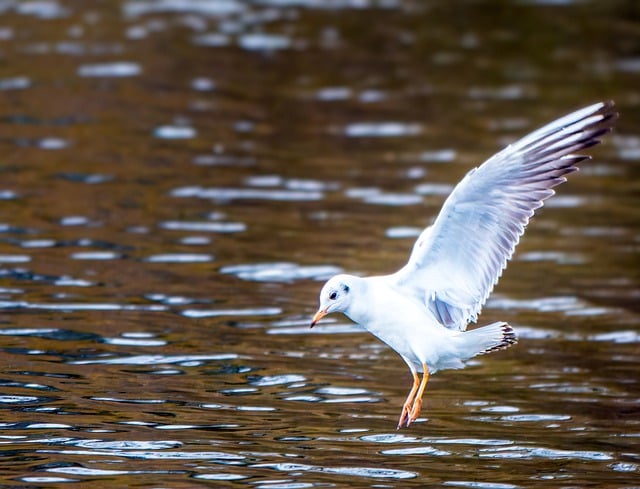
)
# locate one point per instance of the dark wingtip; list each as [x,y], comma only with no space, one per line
[509,338]
[609,113]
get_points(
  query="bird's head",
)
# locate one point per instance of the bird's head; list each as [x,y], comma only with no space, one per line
[335,296]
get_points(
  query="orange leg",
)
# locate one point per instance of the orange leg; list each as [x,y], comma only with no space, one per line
[406,408]
[417,402]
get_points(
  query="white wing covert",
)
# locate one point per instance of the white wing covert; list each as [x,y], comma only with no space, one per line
[456,262]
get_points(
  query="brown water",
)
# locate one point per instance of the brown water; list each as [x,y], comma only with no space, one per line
[179,177]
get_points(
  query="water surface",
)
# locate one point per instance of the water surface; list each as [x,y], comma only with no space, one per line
[180,177]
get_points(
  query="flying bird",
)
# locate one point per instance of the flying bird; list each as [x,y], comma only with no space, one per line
[422,310]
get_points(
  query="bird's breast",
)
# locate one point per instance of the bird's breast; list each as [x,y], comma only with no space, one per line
[404,325]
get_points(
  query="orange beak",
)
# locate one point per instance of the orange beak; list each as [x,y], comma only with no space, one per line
[318,316]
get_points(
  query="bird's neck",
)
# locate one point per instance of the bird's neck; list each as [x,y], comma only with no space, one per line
[365,310]
[357,310]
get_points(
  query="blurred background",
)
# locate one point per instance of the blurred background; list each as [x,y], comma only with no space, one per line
[179,177]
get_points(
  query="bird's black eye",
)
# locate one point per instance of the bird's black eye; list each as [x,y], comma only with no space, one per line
[333,295]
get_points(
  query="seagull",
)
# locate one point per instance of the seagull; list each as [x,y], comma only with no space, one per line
[422,310]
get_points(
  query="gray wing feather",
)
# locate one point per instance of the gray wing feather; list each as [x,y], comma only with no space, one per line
[457,261]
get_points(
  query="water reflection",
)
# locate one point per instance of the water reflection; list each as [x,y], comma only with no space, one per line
[280,272]
[179,177]
[229,194]
[116,69]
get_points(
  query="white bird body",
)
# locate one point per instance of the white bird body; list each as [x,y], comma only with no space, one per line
[422,310]
[421,336]
[422,339]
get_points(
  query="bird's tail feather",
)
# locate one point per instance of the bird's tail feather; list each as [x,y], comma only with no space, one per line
[493,337]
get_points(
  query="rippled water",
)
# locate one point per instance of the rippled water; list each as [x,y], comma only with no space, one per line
[180,176]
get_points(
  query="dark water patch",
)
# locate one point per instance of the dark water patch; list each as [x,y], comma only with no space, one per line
[227,369]
[22,274]
[10,229]
[185,360]
[88,178]
[93,243]
[130,401]
[51,334]
[53,375]
[212,39]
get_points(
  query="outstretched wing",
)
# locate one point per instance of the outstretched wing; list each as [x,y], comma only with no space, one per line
[456,262]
